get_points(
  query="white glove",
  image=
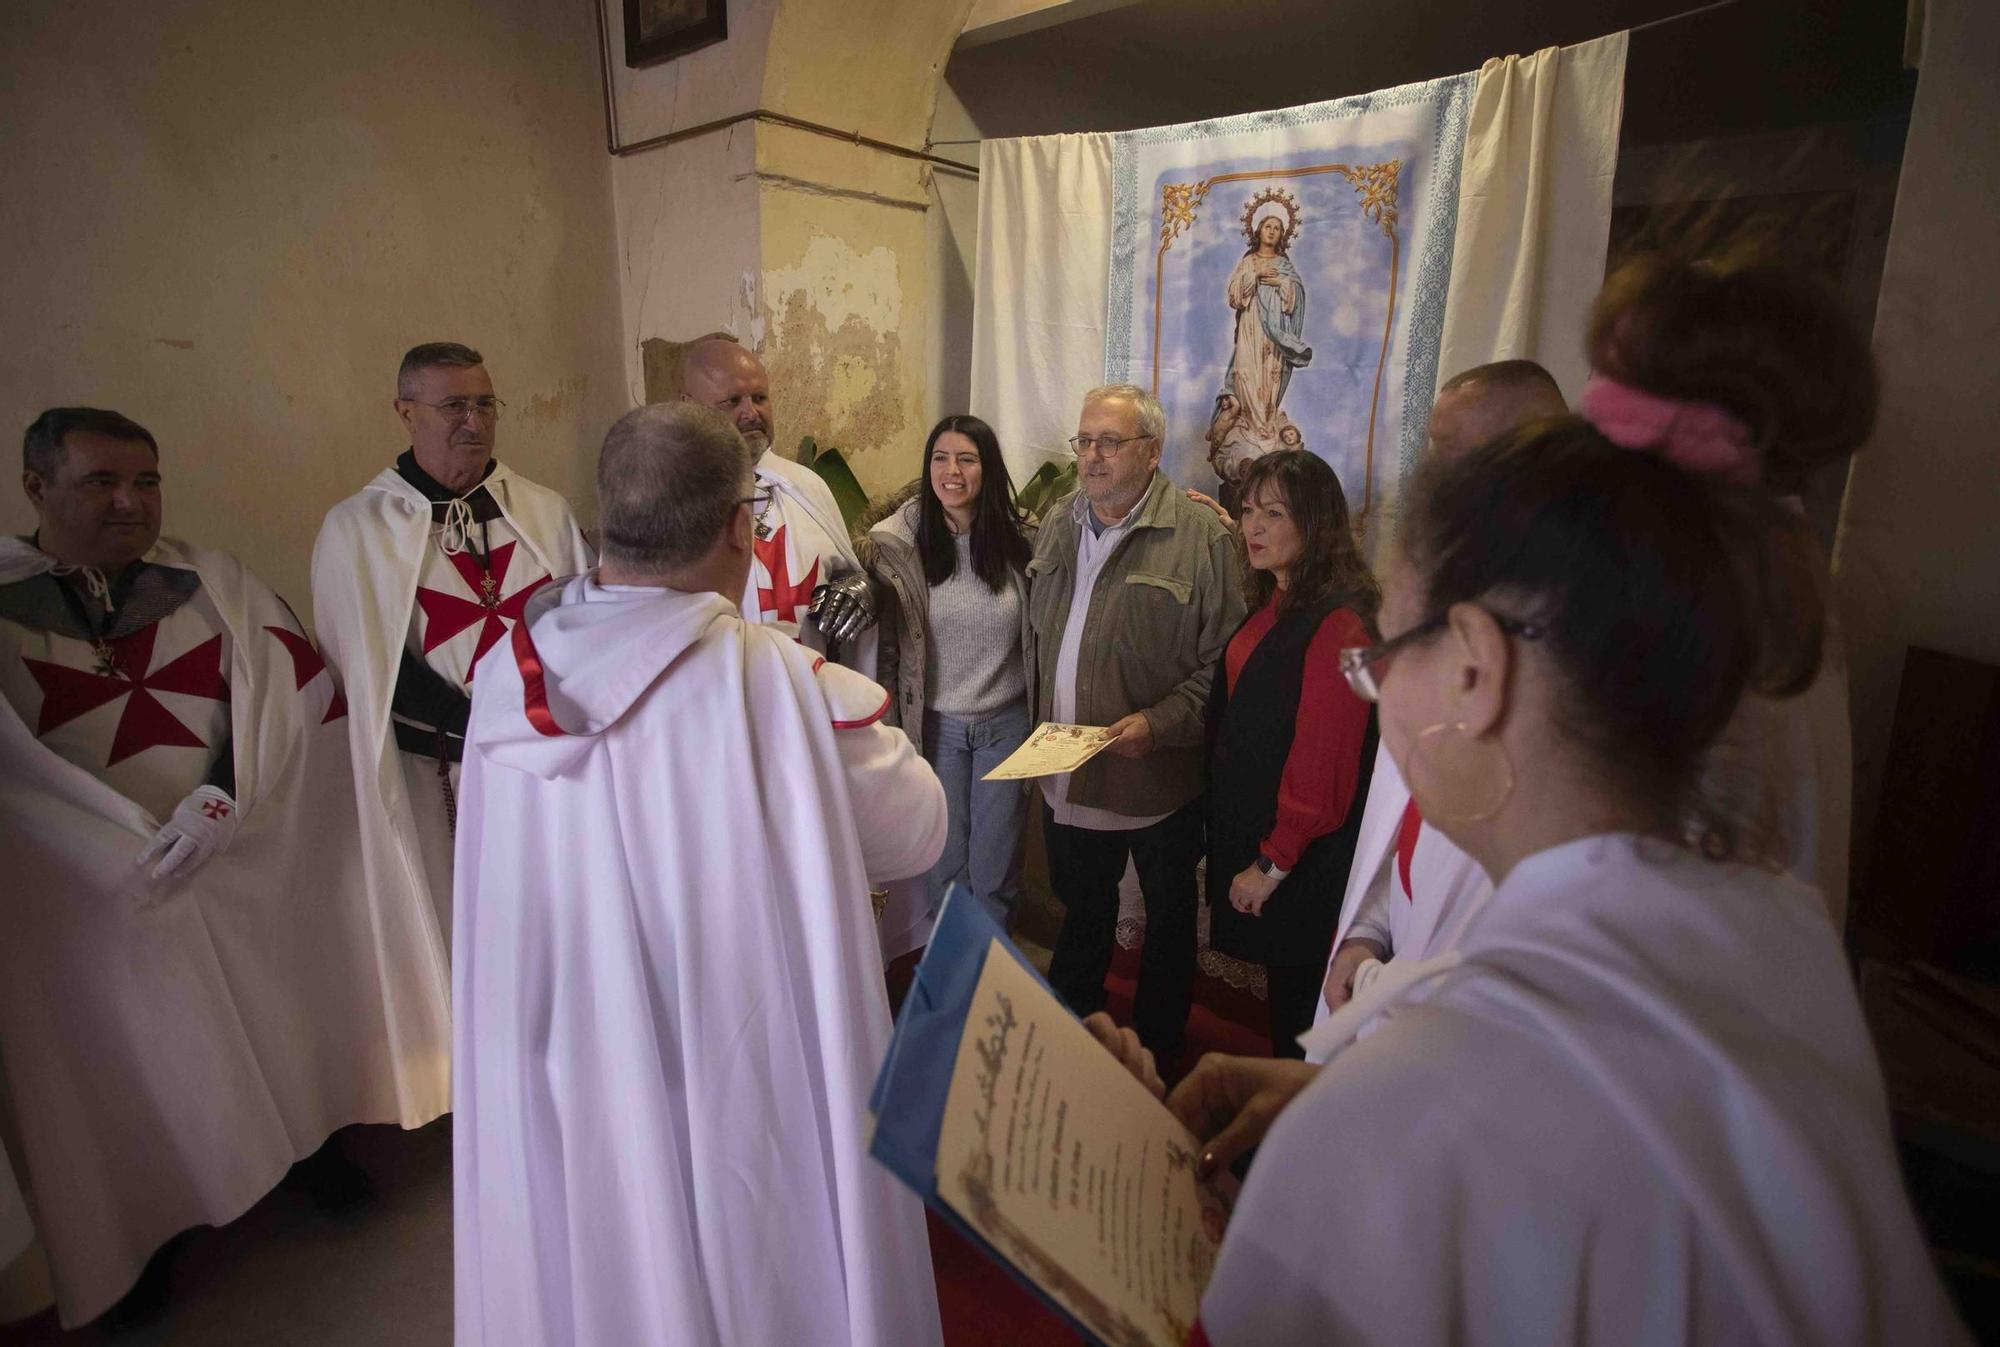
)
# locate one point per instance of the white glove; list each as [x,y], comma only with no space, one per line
[203,824]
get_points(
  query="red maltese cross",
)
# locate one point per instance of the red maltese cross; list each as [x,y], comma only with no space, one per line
[145,723]
[308,664]
[782,596]
[446,615]
[215,809]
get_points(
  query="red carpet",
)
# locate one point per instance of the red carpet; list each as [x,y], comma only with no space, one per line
[981,1305]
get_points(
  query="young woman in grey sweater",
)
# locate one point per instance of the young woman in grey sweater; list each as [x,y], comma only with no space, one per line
[948,564]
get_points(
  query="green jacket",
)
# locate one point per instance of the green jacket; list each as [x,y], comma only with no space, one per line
[1164,606]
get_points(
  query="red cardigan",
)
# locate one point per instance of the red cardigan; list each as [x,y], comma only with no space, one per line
[1324,766]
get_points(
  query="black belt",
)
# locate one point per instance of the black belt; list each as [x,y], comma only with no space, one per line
[439,745]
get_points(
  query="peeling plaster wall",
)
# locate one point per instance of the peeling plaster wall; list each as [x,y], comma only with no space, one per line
[688,246]
[848,280]
[821,255]
[953,228]
[845,293]
[837,352]
[230,221]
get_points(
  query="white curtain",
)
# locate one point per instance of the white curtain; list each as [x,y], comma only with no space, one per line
[1534,215]
[1040,290]
[1534,209]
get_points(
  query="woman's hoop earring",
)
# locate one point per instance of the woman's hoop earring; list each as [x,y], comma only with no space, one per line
[1422,755]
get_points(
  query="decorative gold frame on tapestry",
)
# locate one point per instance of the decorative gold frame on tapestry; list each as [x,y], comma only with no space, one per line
[1375,183]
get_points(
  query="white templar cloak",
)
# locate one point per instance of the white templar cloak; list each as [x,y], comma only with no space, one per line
[1636,1103]
[371,551]
[171,1047]
[670,1001]
[801,541]
[1444,883]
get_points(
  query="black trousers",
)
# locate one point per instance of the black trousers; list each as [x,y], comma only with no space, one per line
[1085,866]
[1294,1001]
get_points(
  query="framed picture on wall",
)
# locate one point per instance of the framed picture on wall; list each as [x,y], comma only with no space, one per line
[659,30]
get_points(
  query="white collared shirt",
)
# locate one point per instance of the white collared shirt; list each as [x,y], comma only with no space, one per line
[1093,550]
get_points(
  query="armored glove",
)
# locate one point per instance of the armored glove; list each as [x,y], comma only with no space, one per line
[203,824]
[843,607]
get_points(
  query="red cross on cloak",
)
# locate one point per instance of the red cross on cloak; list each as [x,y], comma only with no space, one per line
[308,664]
[145,723]
[781,596]
[446,615]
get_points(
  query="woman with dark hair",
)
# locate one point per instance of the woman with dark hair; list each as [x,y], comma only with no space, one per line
[1289,744]
[1738,368]
[1636,1101]
[949,559]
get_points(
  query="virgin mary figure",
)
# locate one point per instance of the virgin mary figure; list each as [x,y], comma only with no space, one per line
[1267,297]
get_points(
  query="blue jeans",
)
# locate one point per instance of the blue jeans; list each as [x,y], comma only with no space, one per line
[984,818]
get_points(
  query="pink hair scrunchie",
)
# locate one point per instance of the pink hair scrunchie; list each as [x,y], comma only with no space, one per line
[1697,437]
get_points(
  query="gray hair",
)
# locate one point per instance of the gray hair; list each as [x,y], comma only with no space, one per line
[430,355]
[1152,416]
[669,479]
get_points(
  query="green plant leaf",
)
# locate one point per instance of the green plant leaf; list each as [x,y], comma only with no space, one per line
[1049,484]
[1034,492]
[831,465]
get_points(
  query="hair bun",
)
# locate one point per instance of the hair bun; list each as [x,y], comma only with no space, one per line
[1763,343]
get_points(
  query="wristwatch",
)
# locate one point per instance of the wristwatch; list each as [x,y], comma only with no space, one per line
[1266,866]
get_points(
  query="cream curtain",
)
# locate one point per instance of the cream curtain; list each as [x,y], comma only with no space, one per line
[1040,291]
[1534,209]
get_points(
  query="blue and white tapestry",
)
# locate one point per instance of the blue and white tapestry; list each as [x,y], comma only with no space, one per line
[1279,278]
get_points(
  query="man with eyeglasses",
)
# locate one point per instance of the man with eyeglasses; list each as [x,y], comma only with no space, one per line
[1133,593]
[415,577]
[1409,885]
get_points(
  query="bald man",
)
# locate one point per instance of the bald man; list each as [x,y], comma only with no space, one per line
[1410,887]
[1481,404]
[805,564]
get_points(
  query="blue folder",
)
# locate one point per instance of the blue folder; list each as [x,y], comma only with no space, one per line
[909,1095]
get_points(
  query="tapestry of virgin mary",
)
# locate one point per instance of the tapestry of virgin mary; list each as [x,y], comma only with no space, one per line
[1278,280]
[1301,277]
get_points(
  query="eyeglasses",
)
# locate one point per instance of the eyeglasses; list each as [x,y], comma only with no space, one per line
[1107,446]
[1365,666]
[457,409]
[761,499]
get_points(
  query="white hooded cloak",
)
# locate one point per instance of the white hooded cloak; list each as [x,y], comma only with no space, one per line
[669,997]
[171,1047]
[1636,1103]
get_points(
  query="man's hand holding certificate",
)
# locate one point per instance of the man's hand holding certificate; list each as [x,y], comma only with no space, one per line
[1053,749]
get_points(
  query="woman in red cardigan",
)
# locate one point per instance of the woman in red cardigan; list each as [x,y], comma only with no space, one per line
[1289,744]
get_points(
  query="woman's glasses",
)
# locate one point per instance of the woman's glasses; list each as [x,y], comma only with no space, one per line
[1365,666]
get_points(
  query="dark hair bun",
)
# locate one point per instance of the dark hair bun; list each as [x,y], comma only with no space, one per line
[1765,343]
[1664,596]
